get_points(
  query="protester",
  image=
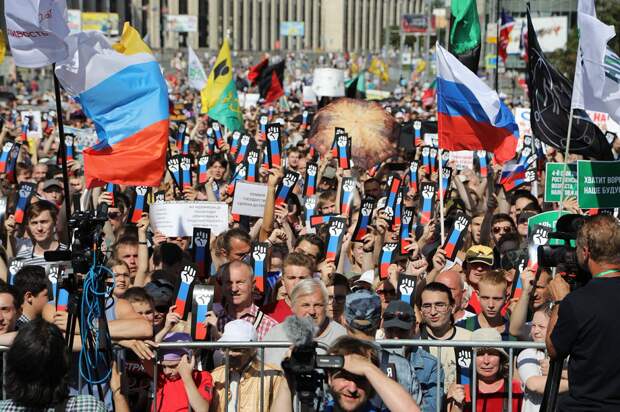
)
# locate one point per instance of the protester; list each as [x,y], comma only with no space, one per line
[533,364]
[309,299]
[436,303]
[32,285]
[37,372]
[493,382]
[399,323]
[244,379]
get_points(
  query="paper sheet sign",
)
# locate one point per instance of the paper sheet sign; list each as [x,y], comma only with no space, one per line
[179,218]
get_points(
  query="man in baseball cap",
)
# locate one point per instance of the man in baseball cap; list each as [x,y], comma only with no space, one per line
[399,323]
[478,259]
[362,313]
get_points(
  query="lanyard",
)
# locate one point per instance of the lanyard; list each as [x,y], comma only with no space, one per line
[606,272]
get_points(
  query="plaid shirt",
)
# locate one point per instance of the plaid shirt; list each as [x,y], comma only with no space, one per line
[81,403]
[264,325]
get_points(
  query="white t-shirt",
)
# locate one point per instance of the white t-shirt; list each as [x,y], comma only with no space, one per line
[528,365]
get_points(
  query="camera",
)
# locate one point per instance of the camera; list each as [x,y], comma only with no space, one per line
[564,257]
[303,369]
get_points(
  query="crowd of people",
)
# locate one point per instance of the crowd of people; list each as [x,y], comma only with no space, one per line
[481,293]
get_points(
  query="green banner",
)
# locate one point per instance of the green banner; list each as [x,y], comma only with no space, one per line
[553,181]
[546,219]
[598,184]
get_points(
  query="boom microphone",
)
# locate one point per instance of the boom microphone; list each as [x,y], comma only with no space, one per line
[300,331]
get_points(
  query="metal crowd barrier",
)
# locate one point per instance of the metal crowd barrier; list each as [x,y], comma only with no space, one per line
[510,346]
[439,344]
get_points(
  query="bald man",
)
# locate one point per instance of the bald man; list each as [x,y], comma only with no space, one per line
[454,280]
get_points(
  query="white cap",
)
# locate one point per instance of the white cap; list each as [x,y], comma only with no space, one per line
[239,330]
[368,277]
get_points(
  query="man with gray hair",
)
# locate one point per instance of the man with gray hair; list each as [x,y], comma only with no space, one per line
[309,299]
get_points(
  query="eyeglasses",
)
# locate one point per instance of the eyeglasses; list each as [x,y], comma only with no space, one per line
[504,229]
[439,307]
[405,317]
[386,291]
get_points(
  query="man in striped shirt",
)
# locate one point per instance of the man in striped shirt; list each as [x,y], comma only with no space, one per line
[41,227]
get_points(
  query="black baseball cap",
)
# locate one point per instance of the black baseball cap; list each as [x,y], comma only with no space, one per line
[398,314]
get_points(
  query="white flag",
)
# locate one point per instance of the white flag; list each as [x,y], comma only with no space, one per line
[586,7]
[195,71]
[36,30]
[600,75]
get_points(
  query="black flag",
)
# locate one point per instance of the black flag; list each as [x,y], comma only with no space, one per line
[550,101]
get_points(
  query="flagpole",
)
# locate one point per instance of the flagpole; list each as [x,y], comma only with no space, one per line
[570,126]
[63,146]
[441,208]
[499,22]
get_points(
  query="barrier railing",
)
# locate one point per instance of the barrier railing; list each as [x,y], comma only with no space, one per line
[261,346]
[439,344]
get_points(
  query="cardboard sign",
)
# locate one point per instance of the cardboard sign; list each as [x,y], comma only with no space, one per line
[457,234]
[598,184]
[201,242]
[385,258]
[553,181]
[259,264]
[183,292]
[463,159]
[178,218]
[249,199]
[336,230]
[548,219]
[202,302]
[25,191]
[427,202]
[406,288]
[286,187]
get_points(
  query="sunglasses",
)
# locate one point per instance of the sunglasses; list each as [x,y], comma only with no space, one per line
[500,229]
[385,291]
[405,317]
[114,215]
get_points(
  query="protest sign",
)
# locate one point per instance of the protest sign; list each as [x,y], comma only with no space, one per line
[547,219]
[553,181]
[328,82]
[598,184]
[522,117]
[179,218]
[463,159]
[249,199]
[33,120]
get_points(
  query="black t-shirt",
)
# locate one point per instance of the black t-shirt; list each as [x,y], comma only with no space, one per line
[588,329]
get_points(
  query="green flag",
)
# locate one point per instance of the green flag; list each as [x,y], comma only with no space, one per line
[465,33]
[356,87]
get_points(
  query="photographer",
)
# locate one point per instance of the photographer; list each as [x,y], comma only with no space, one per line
[584,323]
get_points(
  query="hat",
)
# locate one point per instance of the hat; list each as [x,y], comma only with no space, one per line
[161,291]
[362,310]
[366,277]
[488,334]
[239,330]
[175,354]
[480,254]
[392,315]
[51,183]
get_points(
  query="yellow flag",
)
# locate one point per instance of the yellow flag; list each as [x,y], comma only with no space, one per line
[2,47]
[220,78]
[131,42]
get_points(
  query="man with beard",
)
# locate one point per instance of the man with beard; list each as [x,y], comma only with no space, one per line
[353,386]
[244,374]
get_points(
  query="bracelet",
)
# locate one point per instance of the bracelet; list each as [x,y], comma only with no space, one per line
[142,243]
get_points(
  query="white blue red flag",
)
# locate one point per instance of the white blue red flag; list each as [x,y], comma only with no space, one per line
[470,115]
[507,23]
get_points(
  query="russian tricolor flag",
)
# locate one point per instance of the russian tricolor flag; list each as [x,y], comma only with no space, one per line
[121,88]
[470,114]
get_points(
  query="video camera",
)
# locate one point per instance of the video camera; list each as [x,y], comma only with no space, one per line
[564,256]
[303,367]
[86,228]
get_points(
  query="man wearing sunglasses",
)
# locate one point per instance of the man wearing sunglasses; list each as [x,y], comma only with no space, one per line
[399,323]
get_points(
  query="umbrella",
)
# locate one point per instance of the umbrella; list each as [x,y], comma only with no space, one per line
[373,131]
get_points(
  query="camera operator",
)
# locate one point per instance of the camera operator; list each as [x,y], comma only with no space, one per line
[584,323]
